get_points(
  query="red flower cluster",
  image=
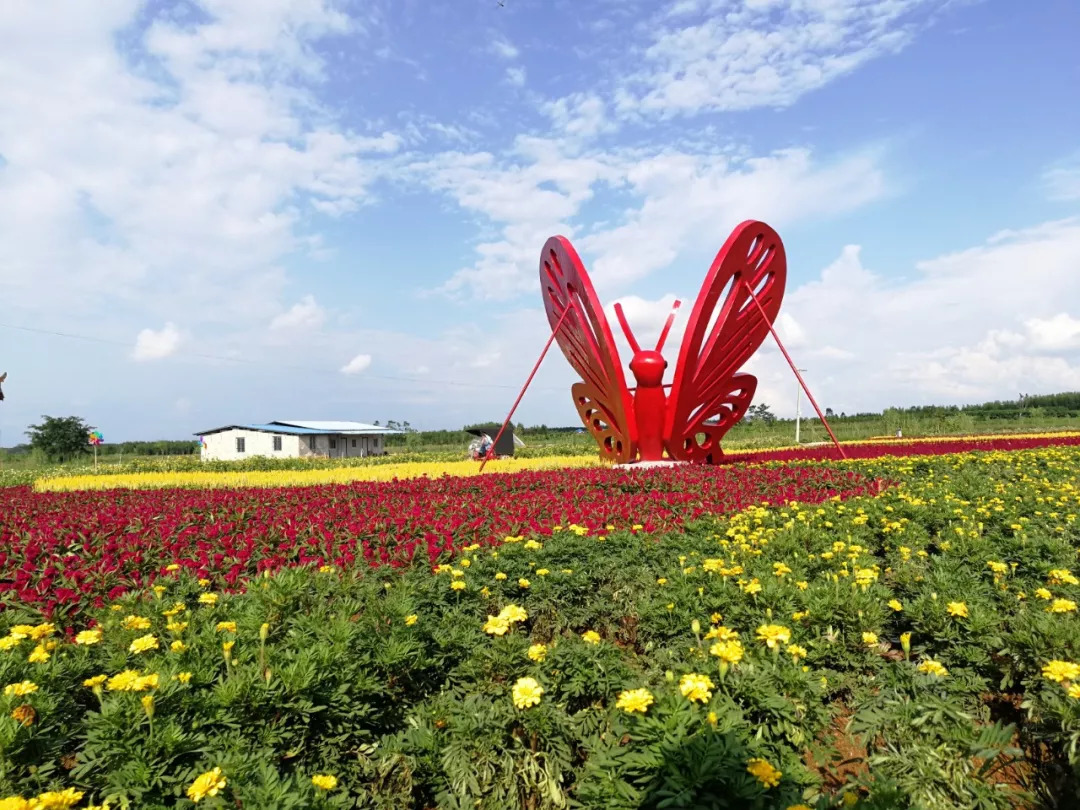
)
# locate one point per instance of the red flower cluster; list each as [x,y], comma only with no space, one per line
[61,550]
[895,447]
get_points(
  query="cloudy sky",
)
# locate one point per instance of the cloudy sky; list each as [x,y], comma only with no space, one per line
[226,210]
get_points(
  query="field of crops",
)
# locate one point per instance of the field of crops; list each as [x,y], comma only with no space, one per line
[896,631]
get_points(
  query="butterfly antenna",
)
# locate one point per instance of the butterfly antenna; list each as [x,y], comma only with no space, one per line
[667,326]
[626,329]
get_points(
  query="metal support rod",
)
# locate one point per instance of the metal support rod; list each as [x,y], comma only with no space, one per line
[798,409]
[491,450]
[798,376]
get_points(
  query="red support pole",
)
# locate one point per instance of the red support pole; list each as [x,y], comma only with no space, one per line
[509,416]
[798,376]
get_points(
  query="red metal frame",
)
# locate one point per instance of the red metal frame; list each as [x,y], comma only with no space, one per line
[798,376]
[551,339]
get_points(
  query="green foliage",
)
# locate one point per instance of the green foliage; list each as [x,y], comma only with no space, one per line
[421,713]
[60,438]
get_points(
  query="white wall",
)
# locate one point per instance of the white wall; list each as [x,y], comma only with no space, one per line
[344,446]
[222,446]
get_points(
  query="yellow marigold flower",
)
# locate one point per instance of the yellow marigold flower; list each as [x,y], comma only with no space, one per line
[729,651]
[773,634]
[457,585]
[527,692]
[324,781]
[795,651]
[42,631]
[523,583]
[568,571]
[537,652]
[178,646]
[183,677]
[634,700]
[97,680]
[123,681]
[799,615]
[1062,576]
[905,642]
[208,599]
[39,655]
[9,643]
[500,576]
[179,607]
[24,715]
[21,631]
[208,784]
[780,569]
[20,689]
[176,627]
[997,567]
[1074,691]
[765,773]
[172,567]
[532,545]
[514,613]
[1043,593]
[88,637]
[135,623]
[326,569]
[542,572]
[225,627]
[57,799]
[496,625]
[932,667]
[150,681]
[1058,671]
[485,592]
[15,803]
[144,644]
[204,582]
[958,609]
[802,585]
[716,618]
[661,581]
[456,574]
[590,637]
[411,619]
[896,605]
[696,687]
[1062,606]
[869,639]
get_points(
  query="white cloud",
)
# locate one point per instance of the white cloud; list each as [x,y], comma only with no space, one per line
[762,53]
[357,364]
[156,345]
[177,171]
[1058,333]
[1062,180]
[303,315]
[516,76]
[503,48]
[686,201]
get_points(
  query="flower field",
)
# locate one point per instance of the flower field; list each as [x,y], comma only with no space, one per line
[894,632]
[60,550]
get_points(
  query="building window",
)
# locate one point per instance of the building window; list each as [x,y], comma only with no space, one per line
[311,443]
[277,442]
[333,444]
[240,444]
[354,442]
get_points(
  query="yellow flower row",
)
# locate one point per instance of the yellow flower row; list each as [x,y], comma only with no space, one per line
[288,478]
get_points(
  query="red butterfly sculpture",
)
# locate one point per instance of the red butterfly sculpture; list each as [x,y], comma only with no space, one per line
[708,394]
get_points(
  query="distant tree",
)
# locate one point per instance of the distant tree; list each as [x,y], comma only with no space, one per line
[829,413]
[762,412]
[60,438]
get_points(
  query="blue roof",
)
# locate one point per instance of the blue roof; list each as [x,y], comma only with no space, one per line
[285,429]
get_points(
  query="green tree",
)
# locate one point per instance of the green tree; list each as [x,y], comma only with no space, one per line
[60,438]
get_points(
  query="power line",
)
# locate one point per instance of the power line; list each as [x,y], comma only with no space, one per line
[250,362]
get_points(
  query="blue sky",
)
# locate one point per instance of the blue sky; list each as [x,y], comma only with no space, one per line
[310,209]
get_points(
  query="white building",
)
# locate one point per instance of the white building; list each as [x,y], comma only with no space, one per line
[293,439]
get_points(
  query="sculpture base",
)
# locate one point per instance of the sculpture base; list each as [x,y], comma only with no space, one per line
[648,465]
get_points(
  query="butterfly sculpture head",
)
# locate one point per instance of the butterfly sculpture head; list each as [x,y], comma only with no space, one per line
[708,394]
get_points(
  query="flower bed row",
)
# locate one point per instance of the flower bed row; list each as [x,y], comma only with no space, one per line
[927,638]
[65,549]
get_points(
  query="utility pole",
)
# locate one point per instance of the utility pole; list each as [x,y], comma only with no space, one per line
[798,405]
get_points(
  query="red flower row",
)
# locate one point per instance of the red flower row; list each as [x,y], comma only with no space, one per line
[62,550]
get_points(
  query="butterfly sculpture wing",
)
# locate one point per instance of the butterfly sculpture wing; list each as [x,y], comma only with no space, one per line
[708,395]
[601,398]
[2,378]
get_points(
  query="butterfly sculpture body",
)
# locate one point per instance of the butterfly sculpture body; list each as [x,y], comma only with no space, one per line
[708,394]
